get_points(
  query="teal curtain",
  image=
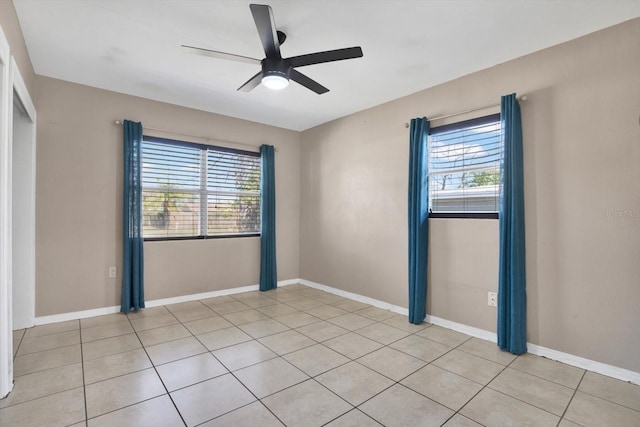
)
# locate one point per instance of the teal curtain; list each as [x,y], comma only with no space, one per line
[512,300]
[268,268]
[132,252]
[418,219]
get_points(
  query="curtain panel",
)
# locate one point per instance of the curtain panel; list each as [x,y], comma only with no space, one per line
[512,300]
[268,267]
[418,219]
[132,251]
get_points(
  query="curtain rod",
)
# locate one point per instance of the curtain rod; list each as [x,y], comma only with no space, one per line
[523,98]
[119,123]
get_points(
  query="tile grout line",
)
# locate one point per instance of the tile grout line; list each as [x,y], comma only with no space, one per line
[47,369]
[42,336]
[455,412]
[508,366]
[483,386]
[116,376]
[572,396]
[529,403]
[286,361]
[157,373]
[349,361]
[516,398]
[607,400]
[256,397]
[230,372]
[234,376]
[15,351]
[48,349]
[139,370]
[444,369]
[547,379]
[293,385]
[394,382]
[44,370]
[84,384]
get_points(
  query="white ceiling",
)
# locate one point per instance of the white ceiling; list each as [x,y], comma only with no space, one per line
[133,47]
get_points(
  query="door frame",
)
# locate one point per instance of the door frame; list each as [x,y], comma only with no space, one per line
[10,81]
[6,300]
[28,288]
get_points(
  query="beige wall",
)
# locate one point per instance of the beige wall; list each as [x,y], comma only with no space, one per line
[79,202]
[582,165]
[11,28]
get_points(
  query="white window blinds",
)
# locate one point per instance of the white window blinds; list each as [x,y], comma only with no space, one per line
[199,191]
[464,166]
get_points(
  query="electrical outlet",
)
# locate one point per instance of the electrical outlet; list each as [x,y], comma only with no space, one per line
[113,273]
[492,299]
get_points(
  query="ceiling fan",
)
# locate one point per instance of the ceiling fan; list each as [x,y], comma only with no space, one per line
[276,70]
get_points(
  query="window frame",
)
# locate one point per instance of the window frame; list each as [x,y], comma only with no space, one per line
[202,190]
[491,118]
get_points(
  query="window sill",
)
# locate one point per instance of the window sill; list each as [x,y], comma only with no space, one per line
[221,236]
[463,215]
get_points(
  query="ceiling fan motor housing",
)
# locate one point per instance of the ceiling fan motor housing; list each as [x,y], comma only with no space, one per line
[276,67]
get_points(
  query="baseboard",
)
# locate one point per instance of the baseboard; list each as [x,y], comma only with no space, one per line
[588,364]
[203,295]
[23,325]
[356,297]
[212,294]
[538,350]
[569,359]
[63,317]
[460,327]
[74,315]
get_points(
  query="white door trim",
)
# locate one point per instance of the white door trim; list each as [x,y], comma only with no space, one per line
[21,90]
[27,294]
[6,110]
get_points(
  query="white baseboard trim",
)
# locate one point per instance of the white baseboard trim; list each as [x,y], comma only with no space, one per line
[203,295]
[288,282]
[212,294]
[588,364]
[357,297]
[23,325]
[538,350]
[63,317]
[460,327]
[74,315]
[569,359]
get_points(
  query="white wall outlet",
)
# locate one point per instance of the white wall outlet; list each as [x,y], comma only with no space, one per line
[113,273]
[492,299]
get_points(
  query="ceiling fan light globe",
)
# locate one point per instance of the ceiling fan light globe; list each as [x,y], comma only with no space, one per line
[275,82]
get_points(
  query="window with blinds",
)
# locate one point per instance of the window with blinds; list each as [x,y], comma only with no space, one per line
[464,168]
[198,191]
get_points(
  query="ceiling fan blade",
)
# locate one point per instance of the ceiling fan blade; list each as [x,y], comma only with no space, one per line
[263,16]
[327,56]
[251,83]
[220,55]
[305,81]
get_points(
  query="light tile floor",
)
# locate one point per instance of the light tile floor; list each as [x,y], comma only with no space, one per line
[294,356]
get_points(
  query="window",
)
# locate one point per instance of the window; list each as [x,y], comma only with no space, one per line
[464,169]
[198,191]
